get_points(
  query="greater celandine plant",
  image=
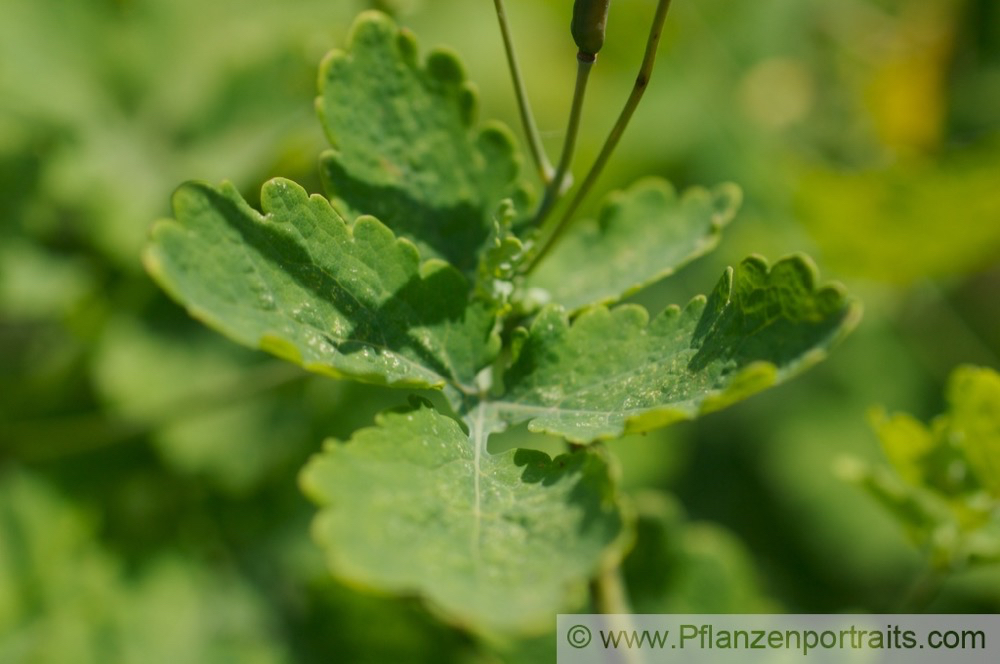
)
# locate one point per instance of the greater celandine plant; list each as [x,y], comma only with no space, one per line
[428,265]
[942,482]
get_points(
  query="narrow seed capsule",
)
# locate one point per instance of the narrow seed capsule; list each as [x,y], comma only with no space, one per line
[589,20]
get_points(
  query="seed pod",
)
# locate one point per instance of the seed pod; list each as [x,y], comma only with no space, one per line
[589,20]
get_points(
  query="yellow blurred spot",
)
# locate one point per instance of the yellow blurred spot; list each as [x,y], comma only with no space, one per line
[907,92]
[777,92]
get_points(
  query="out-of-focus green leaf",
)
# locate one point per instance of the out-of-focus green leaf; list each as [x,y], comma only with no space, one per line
[372,628]
[66,598]
[954,531]
[905,441]
[678,566]
[212,408]
[960,452]
[918,510]
[616,371]
[132,98]
[913,220]
[642,234]
[494,542]
[347,301]
[404,145]
[38,284]
[949,501]
[974,399]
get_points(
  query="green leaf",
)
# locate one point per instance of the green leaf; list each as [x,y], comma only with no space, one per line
[494,542]
[905,441]
[66,598]
[615,371]
[974,399]
[642,234]
[950,499]
[503,252]
[960,452]
[953,531]
[404,144]
[679,566]
[919,511]
[926,457]
[347,301]
[886,223]
[211,408]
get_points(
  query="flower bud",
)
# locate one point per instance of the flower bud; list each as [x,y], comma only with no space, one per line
[589,20]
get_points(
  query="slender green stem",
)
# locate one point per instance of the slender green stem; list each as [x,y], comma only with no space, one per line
[607,590]
[527,118]
[584,64]
[550,235]
[609,596]
[922,591]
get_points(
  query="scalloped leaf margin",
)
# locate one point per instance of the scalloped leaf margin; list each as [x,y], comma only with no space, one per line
[346,301]
[405,146]
[615,371]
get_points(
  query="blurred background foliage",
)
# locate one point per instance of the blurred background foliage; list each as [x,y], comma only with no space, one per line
[148,501]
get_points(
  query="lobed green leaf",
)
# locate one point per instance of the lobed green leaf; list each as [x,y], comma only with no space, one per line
[615,371]
[641,235]
[960,451]
[497,543]
[974,400]
[946,486]
[405,147]
[297,281]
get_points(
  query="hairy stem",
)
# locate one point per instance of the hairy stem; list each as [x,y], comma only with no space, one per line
[527,118]
[584,64]
[550,235]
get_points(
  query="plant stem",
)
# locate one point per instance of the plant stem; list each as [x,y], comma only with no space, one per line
[607,590]
[527,118]
[609,597]
[549,236]
[921,592]
[584,64]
